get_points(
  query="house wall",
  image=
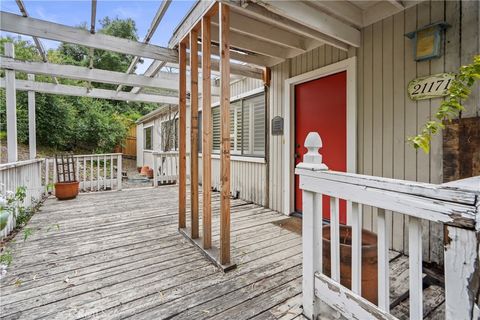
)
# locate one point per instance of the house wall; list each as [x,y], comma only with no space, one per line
[248,175]
[385,114]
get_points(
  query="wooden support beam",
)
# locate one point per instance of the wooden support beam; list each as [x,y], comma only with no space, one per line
[194,132]
[167,81]
[315,19]
[67,90]
[182,144]
[252,44]
[32,134]
[48,30]
[224,18]
[261,13]
[207,133]
[11,97]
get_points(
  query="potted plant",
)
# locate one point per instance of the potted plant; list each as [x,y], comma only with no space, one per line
[369,260]
[67,185]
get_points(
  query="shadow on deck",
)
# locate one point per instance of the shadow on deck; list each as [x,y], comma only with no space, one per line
[118,255]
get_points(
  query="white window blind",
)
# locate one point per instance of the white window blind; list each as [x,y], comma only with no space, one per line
[247,126]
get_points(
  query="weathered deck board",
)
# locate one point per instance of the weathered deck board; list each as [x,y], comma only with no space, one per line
[118,255]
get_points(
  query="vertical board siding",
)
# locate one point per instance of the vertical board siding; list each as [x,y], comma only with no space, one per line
[386,116]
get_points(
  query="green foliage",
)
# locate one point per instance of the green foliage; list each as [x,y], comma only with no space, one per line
[452,106]
[27,232]
[6,258]
[71,123]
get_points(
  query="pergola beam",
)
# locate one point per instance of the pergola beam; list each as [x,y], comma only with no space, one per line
[77,91]
[151,30]
[38,43]
[11,104]
[167,81]
[48,30]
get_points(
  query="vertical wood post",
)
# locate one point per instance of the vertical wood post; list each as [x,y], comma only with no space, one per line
[32,134]
[462,274]
[11,95]
[224,25]
[194,131]
[207,135]
[119,172]
[182,145]
[155,170]
[311,229]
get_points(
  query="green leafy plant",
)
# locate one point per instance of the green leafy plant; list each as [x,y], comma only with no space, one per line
[27,232]
[6,258]
[451,107]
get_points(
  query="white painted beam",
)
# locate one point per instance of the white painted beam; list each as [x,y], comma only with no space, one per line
[67,90]
[380,11]
[32,131]
[11,97]
[166,81]
[342,10]
[251,44]
[58,32]
[153,27]
[267,32]
[315,19]
[38,43]
[258,12]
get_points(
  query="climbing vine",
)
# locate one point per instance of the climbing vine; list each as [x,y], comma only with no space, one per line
[451,107]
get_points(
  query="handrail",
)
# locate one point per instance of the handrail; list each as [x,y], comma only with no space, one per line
[455,206]
[9,165]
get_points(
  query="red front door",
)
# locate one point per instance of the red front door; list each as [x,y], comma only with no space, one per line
[321,106]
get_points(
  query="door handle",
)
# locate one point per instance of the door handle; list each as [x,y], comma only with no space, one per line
[296,155]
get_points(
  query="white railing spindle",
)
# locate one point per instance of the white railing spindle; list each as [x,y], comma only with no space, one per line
[356,222]
[335,238]
[383,266]
[415,267]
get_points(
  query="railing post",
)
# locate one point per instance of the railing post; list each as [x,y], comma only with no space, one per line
[155,169]
[11,104]
[311,227]
[119,172]
[462,273]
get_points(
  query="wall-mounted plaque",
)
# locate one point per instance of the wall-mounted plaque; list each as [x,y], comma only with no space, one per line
[277,126]
[430,87]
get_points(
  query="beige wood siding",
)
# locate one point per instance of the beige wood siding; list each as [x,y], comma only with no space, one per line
[386,115]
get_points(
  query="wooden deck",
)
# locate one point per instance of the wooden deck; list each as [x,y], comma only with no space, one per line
[119,254]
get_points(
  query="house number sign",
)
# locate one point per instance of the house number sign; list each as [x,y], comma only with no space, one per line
[430,87]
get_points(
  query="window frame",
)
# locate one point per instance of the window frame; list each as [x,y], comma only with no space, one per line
[242,97]
[145,138]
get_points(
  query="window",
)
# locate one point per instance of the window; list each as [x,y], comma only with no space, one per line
[147,138]
[169,135]
[247,126]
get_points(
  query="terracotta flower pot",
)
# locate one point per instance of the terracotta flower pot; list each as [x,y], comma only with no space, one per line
[139,169]
[369,260]
[144,170]
[66,190]
[150,174]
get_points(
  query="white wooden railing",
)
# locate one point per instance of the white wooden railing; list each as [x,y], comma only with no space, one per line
[26,174]
[457,208]
[95,172]
[165,167]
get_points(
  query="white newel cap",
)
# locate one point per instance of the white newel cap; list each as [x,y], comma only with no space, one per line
[313,159]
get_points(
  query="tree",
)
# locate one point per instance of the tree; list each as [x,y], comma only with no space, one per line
[71,123]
